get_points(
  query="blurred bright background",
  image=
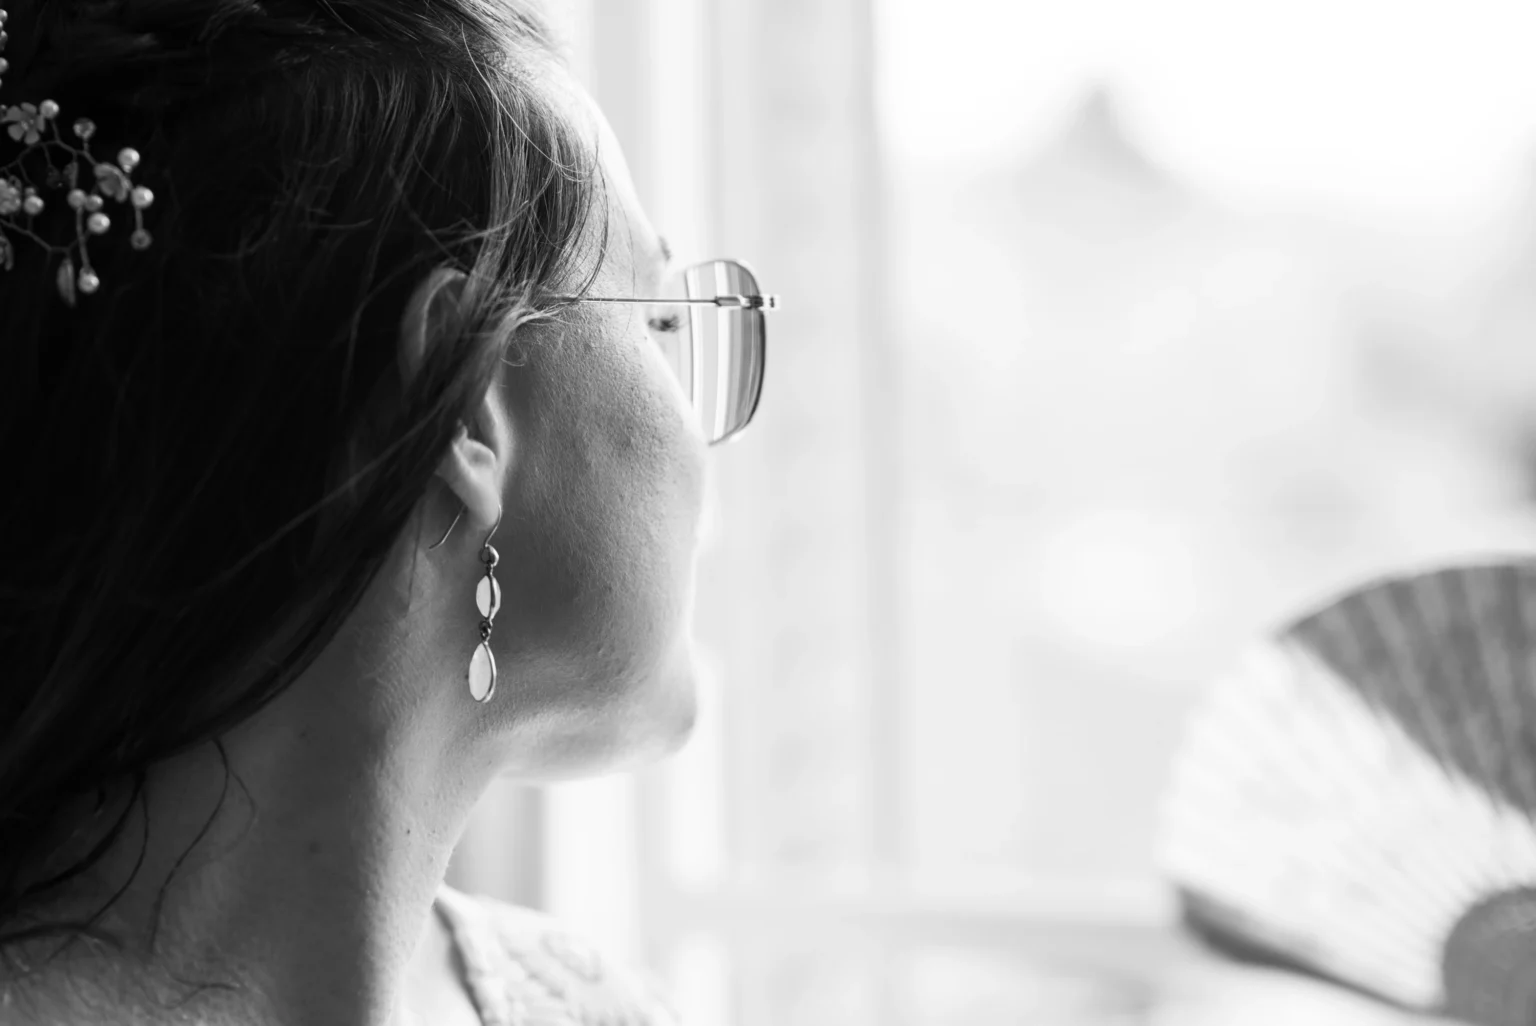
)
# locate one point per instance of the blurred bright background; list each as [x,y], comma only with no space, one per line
[1114,335]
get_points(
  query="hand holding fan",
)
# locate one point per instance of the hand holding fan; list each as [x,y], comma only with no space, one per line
[1358,799]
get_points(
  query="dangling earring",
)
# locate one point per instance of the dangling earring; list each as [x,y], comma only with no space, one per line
[482,665]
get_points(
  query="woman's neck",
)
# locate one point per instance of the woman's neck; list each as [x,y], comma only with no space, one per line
[298,890]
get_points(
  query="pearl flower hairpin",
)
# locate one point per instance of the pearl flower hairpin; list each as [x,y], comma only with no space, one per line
[85,183]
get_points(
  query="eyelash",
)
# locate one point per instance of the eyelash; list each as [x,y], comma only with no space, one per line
[669,324]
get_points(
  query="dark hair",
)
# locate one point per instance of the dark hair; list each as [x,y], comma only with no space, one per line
[210,458]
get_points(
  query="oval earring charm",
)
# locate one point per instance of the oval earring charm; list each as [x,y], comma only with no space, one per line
[482,673]
[488,597]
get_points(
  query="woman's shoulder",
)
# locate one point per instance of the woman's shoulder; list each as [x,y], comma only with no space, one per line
[523,967]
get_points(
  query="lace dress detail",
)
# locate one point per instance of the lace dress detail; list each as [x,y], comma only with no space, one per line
[523,969]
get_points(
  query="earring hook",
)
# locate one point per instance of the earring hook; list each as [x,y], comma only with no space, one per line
[494,527]
[457,516]
[451,526]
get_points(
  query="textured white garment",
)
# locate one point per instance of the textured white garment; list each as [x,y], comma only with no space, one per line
[523,969]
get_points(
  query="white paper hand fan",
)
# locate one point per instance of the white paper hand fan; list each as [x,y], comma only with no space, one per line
[1358,799]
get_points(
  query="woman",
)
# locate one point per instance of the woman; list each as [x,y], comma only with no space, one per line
[346,471]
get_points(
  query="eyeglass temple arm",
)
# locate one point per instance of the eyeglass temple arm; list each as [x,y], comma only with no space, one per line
[732,302]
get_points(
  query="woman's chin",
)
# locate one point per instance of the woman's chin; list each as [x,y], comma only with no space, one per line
[628,728]
[661,718]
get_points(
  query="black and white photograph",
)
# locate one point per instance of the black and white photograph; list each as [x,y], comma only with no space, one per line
[767,513]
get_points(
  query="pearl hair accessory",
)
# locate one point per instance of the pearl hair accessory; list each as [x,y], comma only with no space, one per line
[35,128]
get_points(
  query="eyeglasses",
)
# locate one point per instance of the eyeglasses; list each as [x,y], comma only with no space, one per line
[716,343]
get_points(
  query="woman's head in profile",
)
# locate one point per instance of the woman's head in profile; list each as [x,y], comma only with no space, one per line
[253,479]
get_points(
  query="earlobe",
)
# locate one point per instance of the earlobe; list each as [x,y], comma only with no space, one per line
[469,469]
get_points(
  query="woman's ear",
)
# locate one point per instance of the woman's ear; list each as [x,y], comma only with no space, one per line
[471,471]
[430,314]
[470,468]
